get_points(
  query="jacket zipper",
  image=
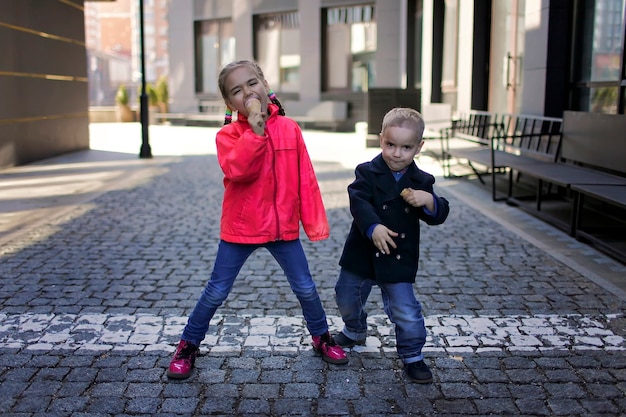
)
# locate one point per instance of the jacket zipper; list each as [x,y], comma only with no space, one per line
[275,188]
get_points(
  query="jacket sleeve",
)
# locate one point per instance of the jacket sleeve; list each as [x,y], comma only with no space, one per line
[240,154]
[312,211]
[441,213]
[362,199]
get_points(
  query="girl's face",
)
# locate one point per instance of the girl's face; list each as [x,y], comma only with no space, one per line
[243,84]
[399,146]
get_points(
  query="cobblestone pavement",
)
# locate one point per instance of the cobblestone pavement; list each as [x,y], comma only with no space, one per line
[96,282]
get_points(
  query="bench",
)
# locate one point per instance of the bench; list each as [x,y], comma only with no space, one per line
[330,114]
[314,114]
[590,165]
[210,112]
[501,144]
[469,139]
[595,145]
[437,118]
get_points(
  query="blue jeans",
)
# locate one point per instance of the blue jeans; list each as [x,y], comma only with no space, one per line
[228,262]
[400,304]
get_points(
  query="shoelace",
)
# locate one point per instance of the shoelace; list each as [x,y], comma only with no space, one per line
[328,339]
[186,352]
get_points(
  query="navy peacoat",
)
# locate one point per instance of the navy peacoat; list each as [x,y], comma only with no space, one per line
[375,199]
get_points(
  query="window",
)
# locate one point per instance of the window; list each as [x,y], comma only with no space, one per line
[350,45]
[450,51]
[278,50]
[215,47]
[598,80]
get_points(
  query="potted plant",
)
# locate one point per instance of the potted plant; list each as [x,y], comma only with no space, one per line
[123,110]
[153,102]
[163,94]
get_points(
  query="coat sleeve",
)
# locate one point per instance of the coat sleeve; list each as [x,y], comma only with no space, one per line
[312,211]
[362,199]
[440,216]
[240,153]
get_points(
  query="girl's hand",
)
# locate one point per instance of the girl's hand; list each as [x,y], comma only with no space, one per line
[256,117]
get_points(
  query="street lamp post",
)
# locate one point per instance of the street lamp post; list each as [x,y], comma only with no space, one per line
[146,151]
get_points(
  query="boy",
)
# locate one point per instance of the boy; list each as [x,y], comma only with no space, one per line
[388,198]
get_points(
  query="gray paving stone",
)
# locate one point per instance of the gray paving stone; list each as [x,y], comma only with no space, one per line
[86,300]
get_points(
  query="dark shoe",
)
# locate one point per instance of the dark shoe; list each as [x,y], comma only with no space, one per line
[419,372]
[330,351]
[181,365]
[345,342]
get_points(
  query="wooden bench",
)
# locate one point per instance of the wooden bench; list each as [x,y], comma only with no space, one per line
[502,144]
[595,142]
[308,114]
[329,114]
[468,139]
[591,163]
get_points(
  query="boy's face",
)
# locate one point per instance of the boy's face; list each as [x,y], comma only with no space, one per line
[399,146]
[243,84]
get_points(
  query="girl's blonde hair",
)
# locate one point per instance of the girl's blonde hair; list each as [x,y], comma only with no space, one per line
[221,81]
[404,117]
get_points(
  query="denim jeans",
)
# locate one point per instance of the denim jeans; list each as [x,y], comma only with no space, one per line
[400,304]
[228,262]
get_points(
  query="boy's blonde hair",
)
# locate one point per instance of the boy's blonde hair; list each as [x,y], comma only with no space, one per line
[404,117]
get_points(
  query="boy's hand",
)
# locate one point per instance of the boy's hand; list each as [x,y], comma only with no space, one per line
[256,118]
[382,238]
[418,198]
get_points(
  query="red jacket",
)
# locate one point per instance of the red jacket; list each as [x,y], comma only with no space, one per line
[269,183]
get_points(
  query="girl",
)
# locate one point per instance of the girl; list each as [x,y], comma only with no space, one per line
[269,188]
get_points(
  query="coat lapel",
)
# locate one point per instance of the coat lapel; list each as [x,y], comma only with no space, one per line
[385,182]
[414,178]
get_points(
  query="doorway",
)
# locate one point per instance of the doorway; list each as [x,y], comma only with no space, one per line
[507,52]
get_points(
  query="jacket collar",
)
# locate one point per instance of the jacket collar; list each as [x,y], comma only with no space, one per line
[412,178]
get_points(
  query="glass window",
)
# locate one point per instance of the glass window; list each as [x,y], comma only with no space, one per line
[350,45]
[215,47]
[598,40]
[278,50]
[450,50]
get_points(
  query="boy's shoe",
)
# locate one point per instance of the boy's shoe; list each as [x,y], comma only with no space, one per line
[330,351]
[419,372]
[345,342]
[181,365]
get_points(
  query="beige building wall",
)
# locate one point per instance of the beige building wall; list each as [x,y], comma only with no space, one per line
[43,80]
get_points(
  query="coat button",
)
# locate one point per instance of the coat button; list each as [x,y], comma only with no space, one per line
[402,235]
[398,257]
[377,254]
[384,206]
[406,209]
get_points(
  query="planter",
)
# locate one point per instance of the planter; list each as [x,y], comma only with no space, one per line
[124,113]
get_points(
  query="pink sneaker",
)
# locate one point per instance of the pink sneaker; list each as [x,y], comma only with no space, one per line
[331,352]
[181,365]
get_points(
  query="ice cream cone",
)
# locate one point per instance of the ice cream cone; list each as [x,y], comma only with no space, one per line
[253,106]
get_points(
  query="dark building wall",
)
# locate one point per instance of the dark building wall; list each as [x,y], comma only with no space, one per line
[43,80]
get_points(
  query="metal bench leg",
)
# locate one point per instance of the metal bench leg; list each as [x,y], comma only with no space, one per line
[478,174]
[577,210]
[539,190]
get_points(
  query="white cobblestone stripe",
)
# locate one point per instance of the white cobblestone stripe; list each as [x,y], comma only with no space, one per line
[456,334]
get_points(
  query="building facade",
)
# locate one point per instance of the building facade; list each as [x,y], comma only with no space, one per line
[112,36]
[43,80]
[536,57]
